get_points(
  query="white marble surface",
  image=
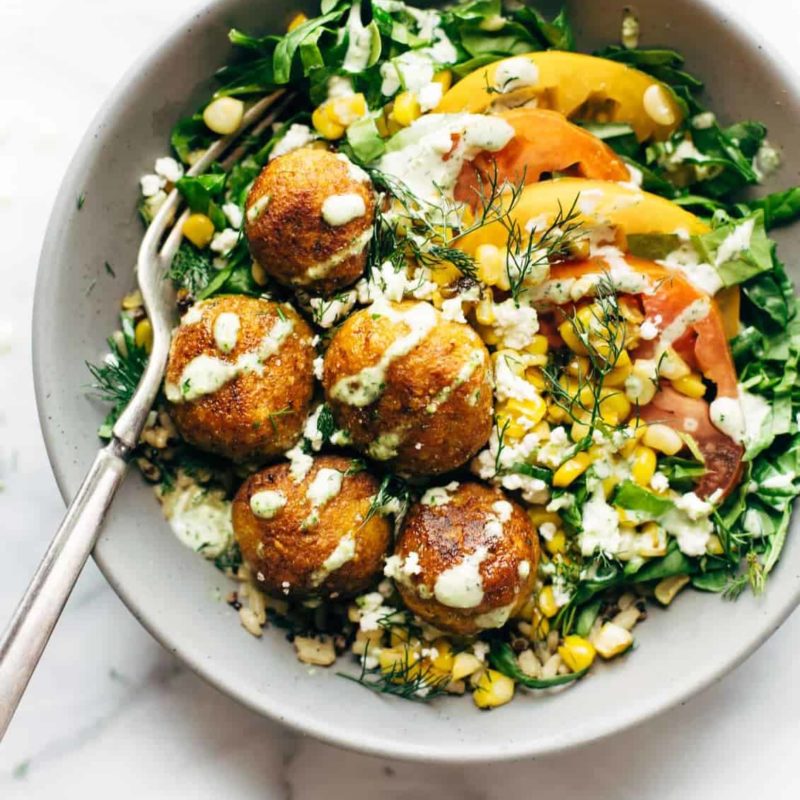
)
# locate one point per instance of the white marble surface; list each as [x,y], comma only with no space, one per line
[109,710]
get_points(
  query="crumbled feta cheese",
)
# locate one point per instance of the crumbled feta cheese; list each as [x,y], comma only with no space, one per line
[648,330]
[169,169]
[515,324]
[547,530]
[319,363]
[600,527]
[452,310]
[659,482]
[328,312]
[151,184]
[224,241]
[298,136]
[234,215]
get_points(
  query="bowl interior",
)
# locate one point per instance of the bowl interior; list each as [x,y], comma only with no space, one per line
[178,596]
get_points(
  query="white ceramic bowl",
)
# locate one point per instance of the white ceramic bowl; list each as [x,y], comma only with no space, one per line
[176,595]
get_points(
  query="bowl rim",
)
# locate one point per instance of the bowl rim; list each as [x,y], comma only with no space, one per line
[618,719]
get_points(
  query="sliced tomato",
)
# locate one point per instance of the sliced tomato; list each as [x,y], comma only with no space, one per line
[705,345]
[544,142]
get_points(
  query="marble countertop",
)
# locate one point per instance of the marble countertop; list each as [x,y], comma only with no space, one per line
[108,709]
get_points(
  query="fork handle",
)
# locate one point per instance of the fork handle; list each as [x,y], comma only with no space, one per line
[36,615]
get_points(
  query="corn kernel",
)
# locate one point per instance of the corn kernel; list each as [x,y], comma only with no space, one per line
[538,516]
[199,230]
[579,431]
[296,21]
[532,409]
[668,588]
[640,388]
[444,659]
[618,376]
[557,543]
[691,385]
[547,602]
[445,78]
[571,469]
[325,125]
[570,336]
[464,665]
[484,312]
[577,653]
[662,438]
[382,125]
[535,377]
[406,108]
[493,689]
[611,640]
[491,266]
[643,465]
[714,545]
[671,366]
[259,274]
[346,110]
[224,115]
[540,625]
[144,335]
[614,402]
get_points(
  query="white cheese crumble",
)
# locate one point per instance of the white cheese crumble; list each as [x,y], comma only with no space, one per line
[169,169]
[515,324]
[151,185]
[224,241]
[328,312]
[296,136]
[599,527]
[233,214]
[300,463]
[648,330]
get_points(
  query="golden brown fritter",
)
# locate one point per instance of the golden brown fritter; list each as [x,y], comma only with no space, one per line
[241,386]
[466,558]
[411,388]
[285,227]
[298,548]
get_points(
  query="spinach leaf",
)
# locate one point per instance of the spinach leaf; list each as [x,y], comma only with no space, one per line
[200,192]
[502,658]
[190,134]
[779,208]
[632,497]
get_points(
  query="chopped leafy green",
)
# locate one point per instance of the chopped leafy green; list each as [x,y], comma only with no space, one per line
[201,193]
[632,497]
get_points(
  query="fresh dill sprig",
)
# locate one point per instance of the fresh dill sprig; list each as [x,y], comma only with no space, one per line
[116,379]
[407,679]
[392,497]
[754,576]
[501,445]
[191,269]
[273,415]
[604,339]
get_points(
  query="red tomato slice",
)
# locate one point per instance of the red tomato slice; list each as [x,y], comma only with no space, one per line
[705,345]
[544,141]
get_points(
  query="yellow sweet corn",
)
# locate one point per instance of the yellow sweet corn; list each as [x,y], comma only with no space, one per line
[445,78]
[199,230]
[714,545]
[542,430]
[534,375]
[484,312]
[671,366]
[578,366]
[571,469]
[614,405]
[493,689]
[325,125]
[538,345]
[540,625]
[618,375]
[643,465]
[691,385]
[346,110]
[406,108]
[547,602]
[579,430]
[491,266]
[144,335]
[464,665]
[259,274]
[636,429]
[577,653]
[538,516]
[224,115]
[668,588]
[532,409]
[662,438]
[296,21]
[444,659]
[570,336]
[640,388]
[612,640]
[557,543]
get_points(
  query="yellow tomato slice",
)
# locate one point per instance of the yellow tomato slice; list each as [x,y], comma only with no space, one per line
[598,203]
[581,87]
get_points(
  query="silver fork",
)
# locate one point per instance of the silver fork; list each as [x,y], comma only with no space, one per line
[41,605]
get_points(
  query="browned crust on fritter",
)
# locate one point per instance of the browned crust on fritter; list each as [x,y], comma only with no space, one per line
[443,535]
[290,236]
[451,435]
[280,551]
[253,417]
